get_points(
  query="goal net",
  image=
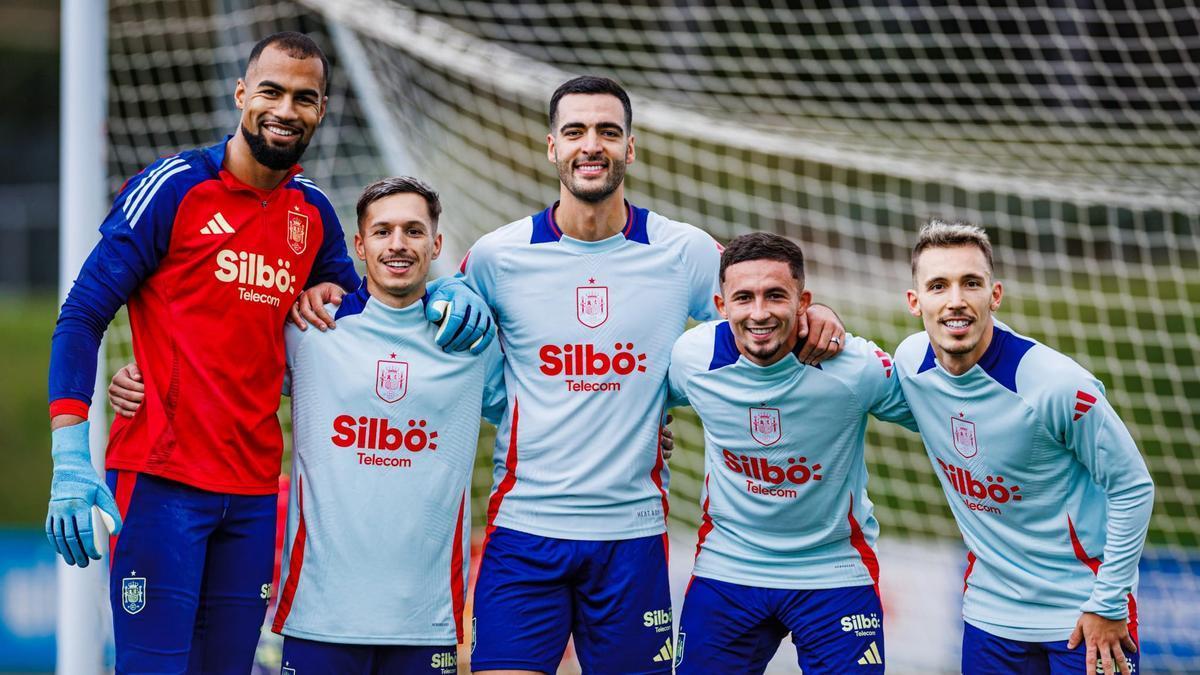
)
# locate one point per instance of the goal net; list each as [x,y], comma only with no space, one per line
[1072,132]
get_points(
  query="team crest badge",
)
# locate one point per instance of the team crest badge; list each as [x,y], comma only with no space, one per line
[391,380]
[764,425]
[297,231]
[591,305]
[289,671]
[963,432]
[133,594]
[679,648]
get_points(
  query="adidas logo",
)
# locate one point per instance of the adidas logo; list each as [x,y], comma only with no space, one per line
[886,360]
[217,225]
[1083,403]
[666,652]
[871,657]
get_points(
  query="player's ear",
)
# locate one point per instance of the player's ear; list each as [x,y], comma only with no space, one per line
[437,246]
[551,152]
[324,107]
[360,247]
[629,151]
[997,294]
[239,94]
[719,301]
[914,303]
[805,301]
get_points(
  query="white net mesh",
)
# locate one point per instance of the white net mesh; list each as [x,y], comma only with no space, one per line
[1069,130]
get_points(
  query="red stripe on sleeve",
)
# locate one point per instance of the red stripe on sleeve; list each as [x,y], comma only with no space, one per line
[68,406]
[859,542]
[457,588]
[294,564]
[656,472]
[1092,563]
[509,480]
[970,568]
[1084,396]
[706,523]
[1133,620]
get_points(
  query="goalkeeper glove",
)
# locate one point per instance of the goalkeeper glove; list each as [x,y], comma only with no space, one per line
[74,490]
[464,318]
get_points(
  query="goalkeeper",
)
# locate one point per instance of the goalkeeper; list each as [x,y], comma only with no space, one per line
[209,248]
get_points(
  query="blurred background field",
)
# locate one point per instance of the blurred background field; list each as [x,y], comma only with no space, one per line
[1070,129]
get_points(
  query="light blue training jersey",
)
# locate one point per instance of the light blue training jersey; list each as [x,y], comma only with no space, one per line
[384,427]
[1048,488]
[587,330]
[785,500]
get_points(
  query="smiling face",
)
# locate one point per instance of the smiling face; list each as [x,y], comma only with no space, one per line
[590,146]
[398,240]
[955,296]
[282,101]
[762,301]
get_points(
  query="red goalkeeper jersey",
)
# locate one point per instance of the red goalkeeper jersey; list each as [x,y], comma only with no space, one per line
[209,267]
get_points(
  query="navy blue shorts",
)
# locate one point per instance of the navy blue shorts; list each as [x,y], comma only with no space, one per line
[309,656]
[534,592]
[730,628]
[984,654]
[190,576]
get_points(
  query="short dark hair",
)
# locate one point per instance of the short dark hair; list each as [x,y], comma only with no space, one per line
[295,45]
[938,233]
[399,185]
[764,246]
[590,84]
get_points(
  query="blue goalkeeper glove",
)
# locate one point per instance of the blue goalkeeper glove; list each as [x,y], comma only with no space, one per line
[74,490]
[464,318]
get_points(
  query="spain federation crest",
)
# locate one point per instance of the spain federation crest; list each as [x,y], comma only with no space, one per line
[297,231]
[391,380]
[591,305]
[963,432]
[764,425]
[133,594]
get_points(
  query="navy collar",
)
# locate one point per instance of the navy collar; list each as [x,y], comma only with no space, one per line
[725,351]
[354,303]
[546,229]
[999,360]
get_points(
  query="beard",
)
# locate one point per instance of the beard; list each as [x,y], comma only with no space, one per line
[589,194]
[277,159]
[960,347]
